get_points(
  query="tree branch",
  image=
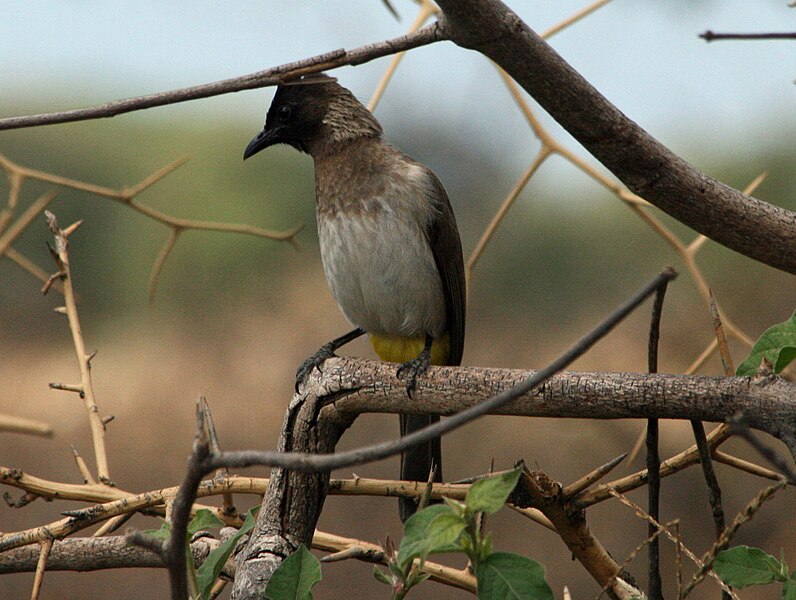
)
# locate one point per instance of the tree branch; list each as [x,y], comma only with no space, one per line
[710,36]
[767,404]
[267,77]
[752,227]
[94,554]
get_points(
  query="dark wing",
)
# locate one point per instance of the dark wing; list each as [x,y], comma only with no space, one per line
[443,236]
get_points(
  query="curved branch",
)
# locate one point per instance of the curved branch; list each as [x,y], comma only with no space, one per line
[745,224]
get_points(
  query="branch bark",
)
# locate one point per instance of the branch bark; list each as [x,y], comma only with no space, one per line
[754,228]
[267,77]
[767,404]
[293,502]
[94,554]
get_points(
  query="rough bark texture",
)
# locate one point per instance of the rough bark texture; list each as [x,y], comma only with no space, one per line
[537,490]
[94,554]
[293,502]
[759,230]
[767,404]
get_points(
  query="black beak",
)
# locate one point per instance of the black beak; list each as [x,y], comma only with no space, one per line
[267,137]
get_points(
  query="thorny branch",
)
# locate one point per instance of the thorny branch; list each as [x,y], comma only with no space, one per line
[126,196]
[85,389]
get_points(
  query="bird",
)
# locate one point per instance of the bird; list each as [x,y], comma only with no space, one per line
[389,244]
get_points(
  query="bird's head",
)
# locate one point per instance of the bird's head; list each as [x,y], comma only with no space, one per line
[313,114]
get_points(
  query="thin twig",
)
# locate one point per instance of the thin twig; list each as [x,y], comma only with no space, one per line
[127,197]
[228,502]
[174,550]
[85,472]
[680,461]
[724,540]
[18,227]
[15,182]
[710,36]
[705,458]
[61,256]
[576,487]
[744,465]
[737,427]
[721,339]
[41,565]
[22,425]
[630,558]
[427,9]
[265,78]
[653,458]
[373,553]
[32,268]
[665,530]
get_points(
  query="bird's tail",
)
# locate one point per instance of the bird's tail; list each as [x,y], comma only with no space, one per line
[417,462]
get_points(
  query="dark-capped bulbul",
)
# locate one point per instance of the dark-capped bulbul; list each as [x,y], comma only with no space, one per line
[388,239]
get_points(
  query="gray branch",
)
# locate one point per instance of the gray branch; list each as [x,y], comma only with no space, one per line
[94,554]
[767,403]
[754,228]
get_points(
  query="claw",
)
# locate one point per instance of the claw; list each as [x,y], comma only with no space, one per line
[412,369]
[313,362]
[326,351]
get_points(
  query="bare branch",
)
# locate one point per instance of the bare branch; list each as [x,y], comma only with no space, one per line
[94,554]
[710,36]
[570,523]
[21,425]
[752,227]
[265,78]
[83,357]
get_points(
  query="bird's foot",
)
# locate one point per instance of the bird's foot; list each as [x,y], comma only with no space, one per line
[412,369]
[314,362]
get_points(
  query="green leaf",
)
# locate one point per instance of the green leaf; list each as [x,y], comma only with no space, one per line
[381,576]
[295,577]
[489,495]
[777,345]
[204,519]
[424,535]
[443,533]
[742,566]
[215,561]
[789,588]
[507,576]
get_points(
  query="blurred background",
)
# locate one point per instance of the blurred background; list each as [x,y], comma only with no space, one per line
[233,315]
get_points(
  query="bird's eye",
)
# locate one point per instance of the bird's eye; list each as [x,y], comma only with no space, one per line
[284,112]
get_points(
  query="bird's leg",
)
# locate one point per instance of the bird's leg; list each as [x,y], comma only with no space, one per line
[412,369]
[326,351]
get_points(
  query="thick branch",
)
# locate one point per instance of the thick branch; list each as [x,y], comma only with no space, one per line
[93,554]
[767,404]
[294,499]
[754,228]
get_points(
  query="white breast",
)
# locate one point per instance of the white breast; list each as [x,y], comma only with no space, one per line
[381,270]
